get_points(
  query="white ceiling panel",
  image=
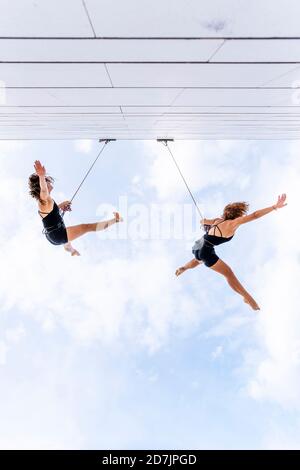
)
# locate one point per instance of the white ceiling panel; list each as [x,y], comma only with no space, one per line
[90,97]
[146,135]
[107,50]
[57,111]
[221,128]
[282,123]
[259,50]
[194,75]
[51,75]
[30,97]
[148,110]
[214,110]
[140,69]
[194,18]
[64,120]
[237,97]
[235,111]
[141,125]
[43,18]
[289,79]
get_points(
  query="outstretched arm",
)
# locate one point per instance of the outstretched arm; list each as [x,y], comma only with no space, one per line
[261,212]
[41,172]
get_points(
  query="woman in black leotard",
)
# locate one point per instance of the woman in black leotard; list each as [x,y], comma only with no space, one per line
[54,227]
[221,230]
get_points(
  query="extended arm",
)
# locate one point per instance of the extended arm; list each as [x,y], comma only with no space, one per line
[41,172]
[261,212]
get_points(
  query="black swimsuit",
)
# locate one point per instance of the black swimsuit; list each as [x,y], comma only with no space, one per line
[54,226]
[203,249]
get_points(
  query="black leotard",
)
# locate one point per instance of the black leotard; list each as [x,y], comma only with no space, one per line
[203,249]
[54,226]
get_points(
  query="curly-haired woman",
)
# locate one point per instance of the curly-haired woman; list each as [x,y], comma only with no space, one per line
[221,230]
[56,232]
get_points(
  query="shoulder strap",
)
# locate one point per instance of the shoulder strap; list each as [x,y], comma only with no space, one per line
[217,226]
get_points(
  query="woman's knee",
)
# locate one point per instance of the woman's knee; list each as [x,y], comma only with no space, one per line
[228,273]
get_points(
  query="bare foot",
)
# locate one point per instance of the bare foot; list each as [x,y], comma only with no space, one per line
[69,248]
[118,218]
[75,253]
[252,303]
[179,271]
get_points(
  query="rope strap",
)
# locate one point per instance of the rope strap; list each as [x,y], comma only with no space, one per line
[165,143]
[106,141]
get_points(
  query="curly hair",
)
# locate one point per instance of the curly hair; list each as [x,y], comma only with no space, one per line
[235,209]
[34,186]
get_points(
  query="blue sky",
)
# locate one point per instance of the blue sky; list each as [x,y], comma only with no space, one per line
[110,350]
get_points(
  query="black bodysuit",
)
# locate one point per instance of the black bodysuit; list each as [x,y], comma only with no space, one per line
[203,249]
[54,226]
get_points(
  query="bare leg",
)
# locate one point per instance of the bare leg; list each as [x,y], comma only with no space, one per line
[105,224]
[78,230]
[190,265]
[70,249]
[223,268]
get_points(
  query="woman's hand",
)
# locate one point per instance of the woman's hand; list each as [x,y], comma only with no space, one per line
[65,206]
[280,202]
[39,168]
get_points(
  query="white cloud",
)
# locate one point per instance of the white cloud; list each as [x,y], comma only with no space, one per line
[229,325]
[35,415]
[84,145]
[10,146]
[275,372]
[14,335]
[271,270]
[282,437]
[204,164]
[10,336]
[94,299]
[217,352]
[137,303]
[137,186]
[3,352]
